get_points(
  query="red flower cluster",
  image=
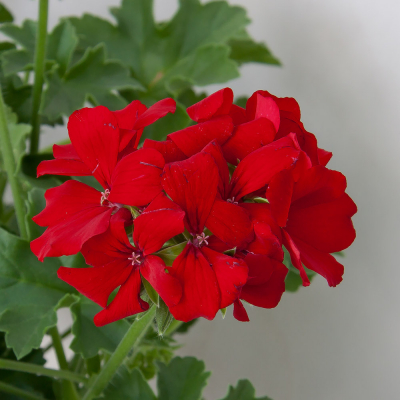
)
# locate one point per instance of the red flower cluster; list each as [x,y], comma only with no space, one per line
[227,192]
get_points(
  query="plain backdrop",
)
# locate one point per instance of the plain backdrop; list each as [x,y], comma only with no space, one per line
[340,61]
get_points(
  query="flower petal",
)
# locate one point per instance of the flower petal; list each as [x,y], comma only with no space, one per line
[324,156]
[231,274]
[94,134]
[239,312]
[266,282]
[169,150]
[192,139]
[155,112]
[218,103]
[97,283]
[63,167]
[265,242]
[159,222]
[65,152]
[192,184]
[160,277]
[136,179]
[248,137]
[320,262]
[127,302]
[258,106]
[295,256]
[257,169]
[230,223]
[127,117]
[201,294]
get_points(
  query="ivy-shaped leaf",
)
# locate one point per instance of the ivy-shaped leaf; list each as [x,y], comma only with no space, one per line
[92,78]
[128,385]
[182,379]
[89,339]
[5,15]
[30,293]
[244,390]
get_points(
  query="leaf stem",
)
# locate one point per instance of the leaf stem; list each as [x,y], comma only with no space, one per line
[38,370]
[6,388]
[69,388]
[40,54]
[131,338]
[10,167]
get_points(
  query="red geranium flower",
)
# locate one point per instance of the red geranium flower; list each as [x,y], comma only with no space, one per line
[118,263]
[78,211]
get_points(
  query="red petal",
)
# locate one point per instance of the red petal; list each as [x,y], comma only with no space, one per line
[248,137]
[201,295]
[326,226]
[159,222]
[136,179]
[266,282]
[106,247]
[127,117]
[65,152]
[258,106]
[320,262]
[231,274]
[99,282]
[94,133]
[257,169]
[218,103]
[287,104]
[279,195]
[155,112]
[214,149]
[324,156]
[127,302]
[238,115]
[295,256]
[192,184]
[239,312]
[165,284]
[169,150]
[217,244]
[265,242]
[63,167]
[192,139]
[230,223]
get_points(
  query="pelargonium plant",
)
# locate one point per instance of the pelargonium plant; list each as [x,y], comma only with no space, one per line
[163,206]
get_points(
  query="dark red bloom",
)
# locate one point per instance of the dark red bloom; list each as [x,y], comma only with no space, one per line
[117,263]
[79,211]
[315,216]
[210,280]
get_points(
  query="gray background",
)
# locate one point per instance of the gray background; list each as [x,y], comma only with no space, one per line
[341,60]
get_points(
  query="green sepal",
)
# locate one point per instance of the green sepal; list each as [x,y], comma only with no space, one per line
[260,200]
[169,254]
[223,312]
[163,318]
[153,295]
[230,252]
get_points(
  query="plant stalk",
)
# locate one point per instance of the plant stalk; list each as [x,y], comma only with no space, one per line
[40,54]
[39,370]
[19,393]
[69,388]
[10,167]
[131,338]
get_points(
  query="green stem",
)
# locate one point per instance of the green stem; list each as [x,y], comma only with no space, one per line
[69,388]
[6,388]
[175,324]
[62,335]
[38,370]
[40,54]
[10,167]
[131,338]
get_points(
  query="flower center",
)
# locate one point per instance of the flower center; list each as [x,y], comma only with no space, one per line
[232,200]
[200,239]
[135,258]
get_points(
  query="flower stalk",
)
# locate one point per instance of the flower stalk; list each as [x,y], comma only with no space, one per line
[10,167]
[131,338]
[40,54]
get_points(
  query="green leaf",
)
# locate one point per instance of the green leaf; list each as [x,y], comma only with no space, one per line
[169,254]
[128,385]
[36,203]
[243,391]
[92,78]
[90,339]
[246,51]
[163,318]
[5,15]
[182,379]
[30,294]
[160,54]
[151,292]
